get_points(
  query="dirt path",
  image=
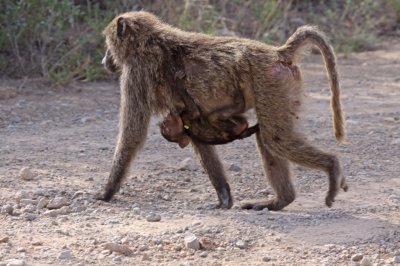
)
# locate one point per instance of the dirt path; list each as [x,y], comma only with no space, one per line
[66,139]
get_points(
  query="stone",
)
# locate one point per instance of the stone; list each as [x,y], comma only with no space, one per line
[15,262]
[365,262]
[4,239]
[117,259]
[77,194]
[26,174]
[191,242]
[42,203]
[187,164]
[65,255]
[234,168]
[357,257]
[266,258]
[57,203]
[118,248]
[203,254]
[54,213]
[152,217]
[8,209]
[241,244]
[396,259]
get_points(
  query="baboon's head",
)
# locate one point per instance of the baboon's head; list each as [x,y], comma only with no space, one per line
[128,33]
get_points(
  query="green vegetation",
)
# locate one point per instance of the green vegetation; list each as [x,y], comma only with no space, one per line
[61,40]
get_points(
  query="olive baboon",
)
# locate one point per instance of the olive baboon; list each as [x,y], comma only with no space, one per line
[218,69]
[217,128]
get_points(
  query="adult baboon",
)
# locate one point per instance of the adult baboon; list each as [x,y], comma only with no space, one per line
[218,69]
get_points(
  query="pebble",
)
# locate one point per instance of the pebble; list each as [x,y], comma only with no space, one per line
[14,262]
[26,174]
[77,194]
[187,164]
[152,217]
[396,259]
[365,262]
[65,255]
[42,203]
[235,168]
[241,244]
[203,254]
[8,208]
[54,213]
[117,259]
[266,258]
[4,239]
[191,242]
[118,248]
[357,257]
[57,203]
[28,202]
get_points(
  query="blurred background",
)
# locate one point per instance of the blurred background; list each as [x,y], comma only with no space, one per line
[61,40]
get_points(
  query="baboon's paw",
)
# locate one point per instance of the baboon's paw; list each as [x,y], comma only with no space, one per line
[344,185]
[225,199]
[103,196]
[330,198]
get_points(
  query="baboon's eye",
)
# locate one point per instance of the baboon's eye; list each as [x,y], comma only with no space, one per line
[121,27]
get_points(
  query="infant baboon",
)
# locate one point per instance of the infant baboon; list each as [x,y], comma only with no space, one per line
[219,71]
[181,129]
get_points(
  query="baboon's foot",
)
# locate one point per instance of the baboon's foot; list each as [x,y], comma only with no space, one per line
[330,197]
[107,194]
[258,205]
[225,198]
[343,184]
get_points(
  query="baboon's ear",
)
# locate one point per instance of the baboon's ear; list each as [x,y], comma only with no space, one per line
[121,27]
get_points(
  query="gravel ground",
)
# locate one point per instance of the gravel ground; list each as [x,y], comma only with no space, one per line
[56,147]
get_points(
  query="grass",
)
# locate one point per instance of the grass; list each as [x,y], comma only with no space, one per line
[61,41]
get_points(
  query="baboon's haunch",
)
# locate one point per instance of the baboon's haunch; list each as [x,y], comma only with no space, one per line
[224,75]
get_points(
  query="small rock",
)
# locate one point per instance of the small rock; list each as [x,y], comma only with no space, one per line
[206,243]
[136,210]
[65,255]
[187,164]
[266,258]
[191,242]
[395,141]
[118,248]
[235,168]
[77,194]
[152,217]
[203,254]
[4,239]
[8,208]
[15,262]
[117,259]
[241,244]
[26,174]
[54,213]
[30,217]
[27,202]
[365,262]
[21,250]
[21,195]
[357,257]
[42,203]
[396,259]
[57,203]
[145,257]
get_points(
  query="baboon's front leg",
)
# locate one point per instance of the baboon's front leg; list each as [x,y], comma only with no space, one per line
[278,173]
[214,168]
[132,135]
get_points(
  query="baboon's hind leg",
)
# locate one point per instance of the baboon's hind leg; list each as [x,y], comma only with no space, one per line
[278,173]
[214,168]
[299,151]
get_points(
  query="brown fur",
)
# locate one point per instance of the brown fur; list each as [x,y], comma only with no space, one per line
[182,128]
[218,69]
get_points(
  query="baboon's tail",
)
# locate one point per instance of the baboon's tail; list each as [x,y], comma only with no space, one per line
[311,35]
